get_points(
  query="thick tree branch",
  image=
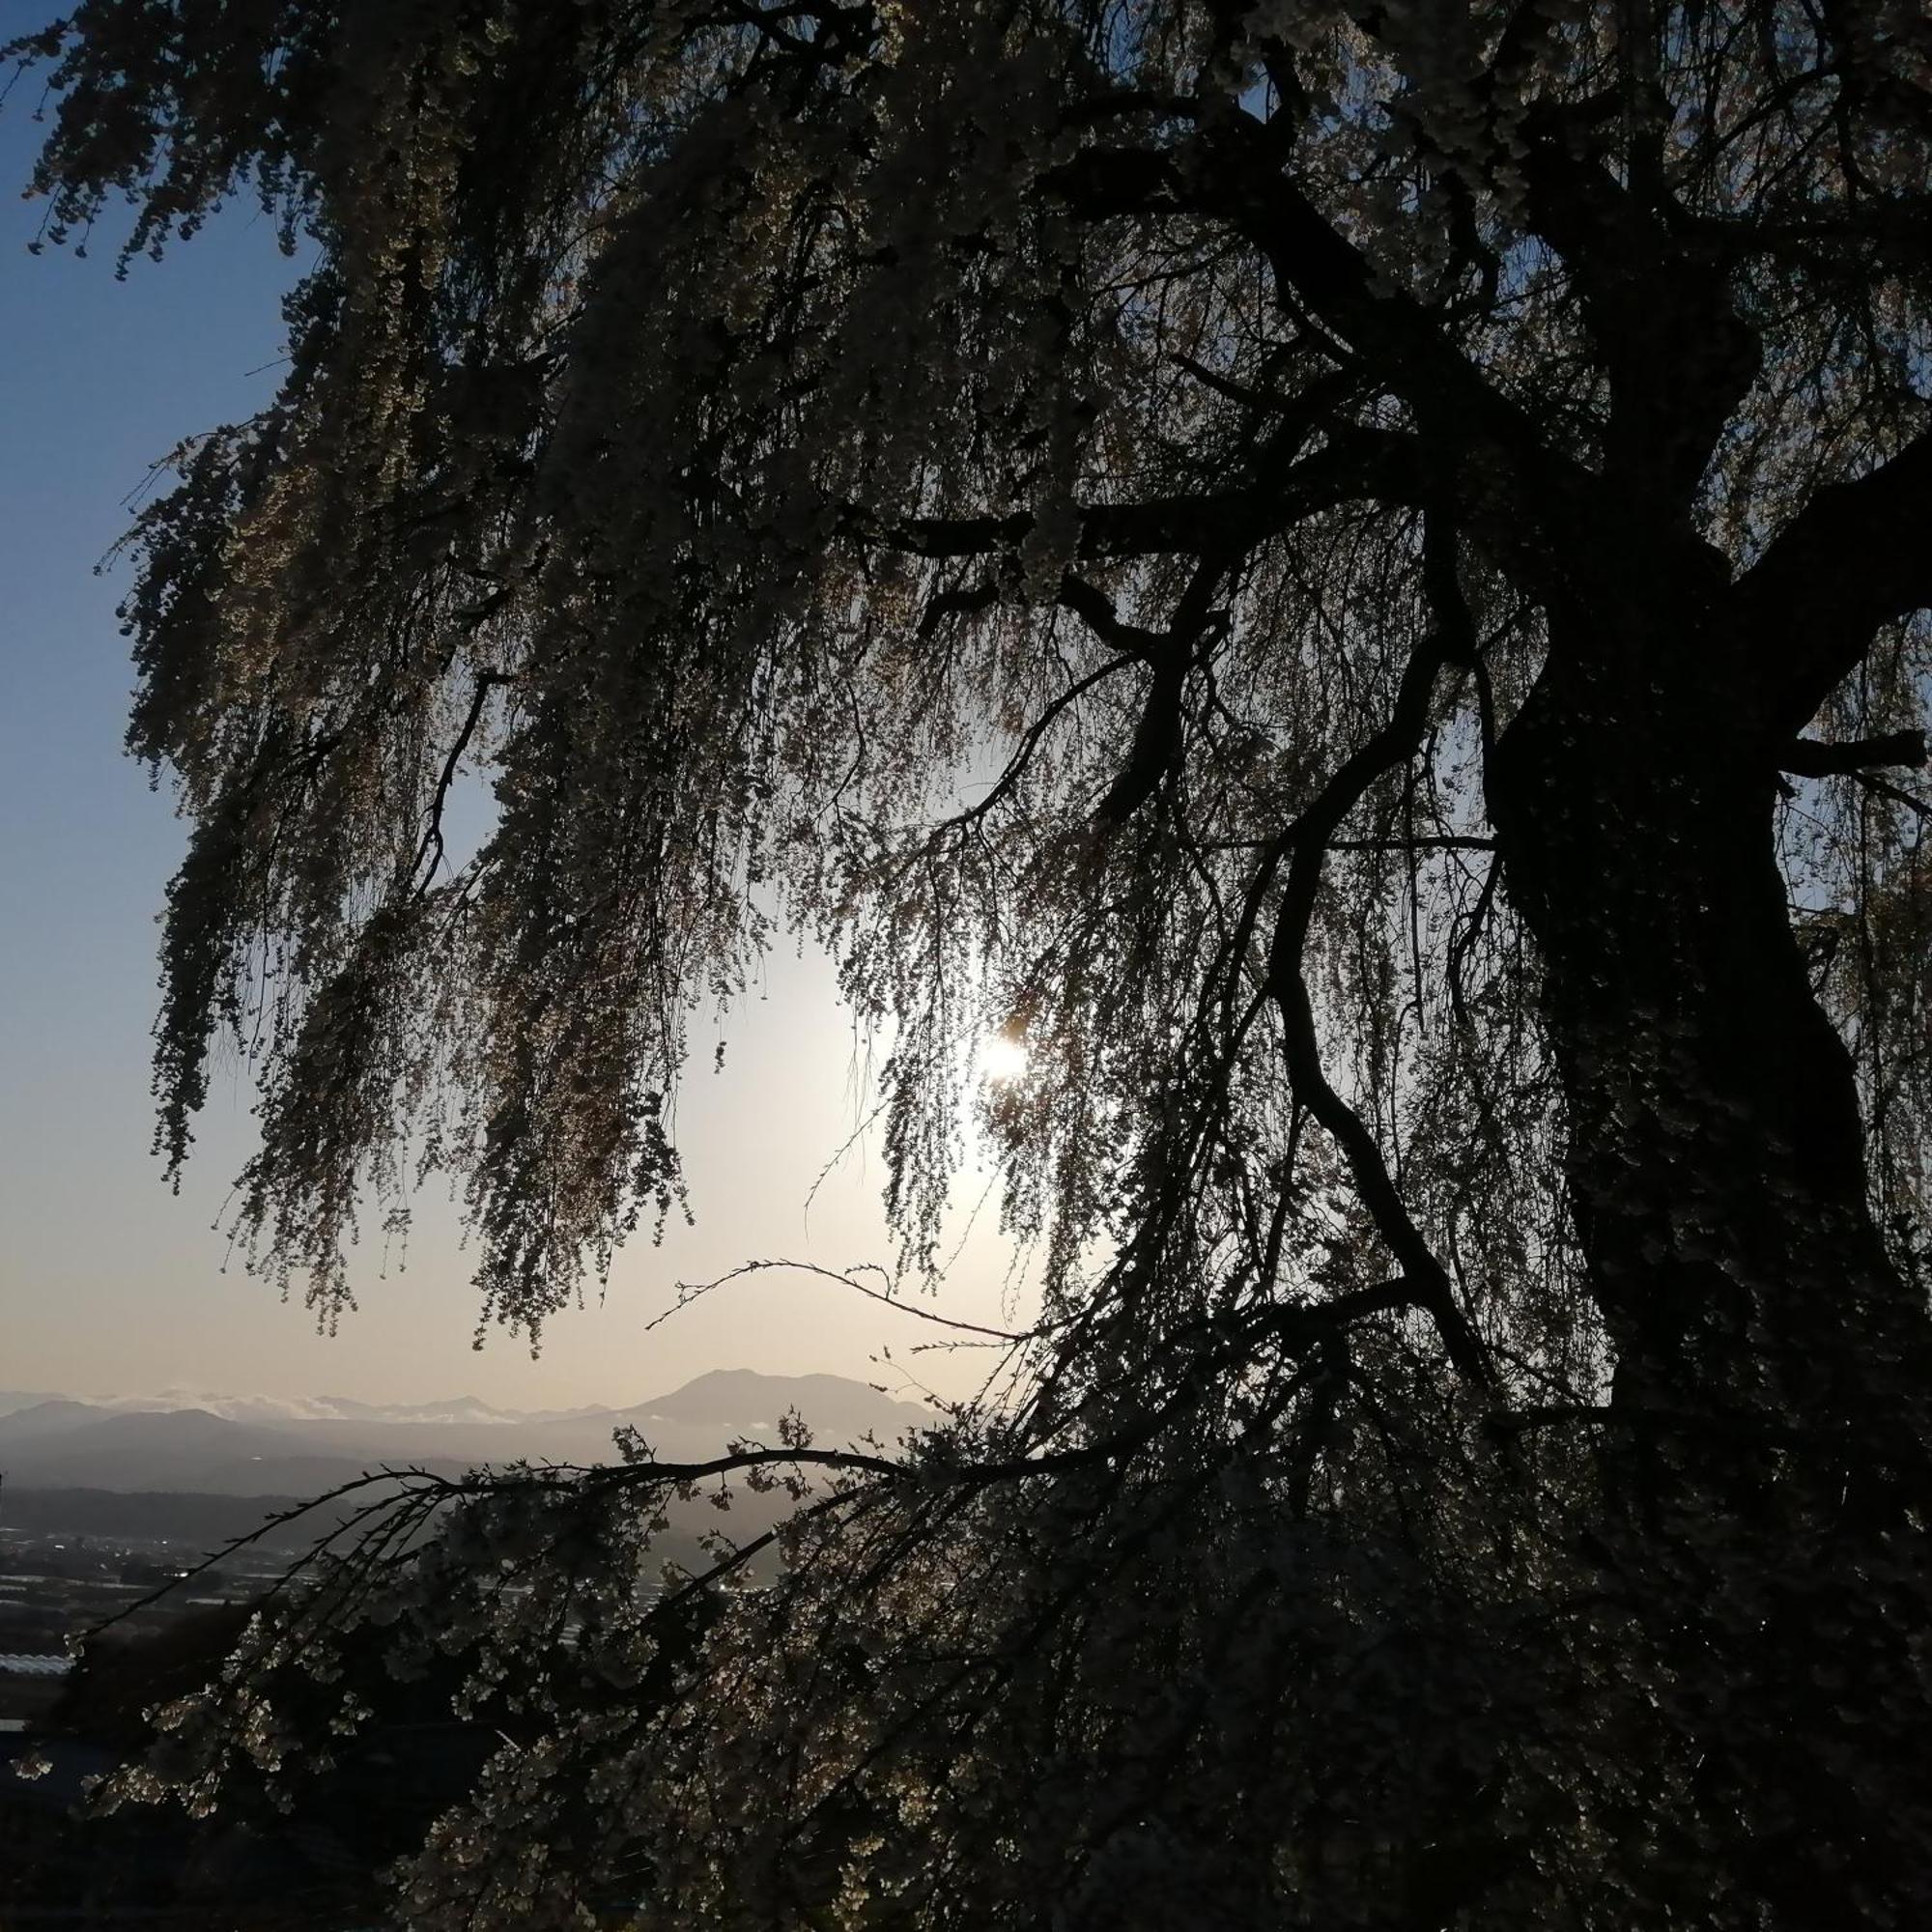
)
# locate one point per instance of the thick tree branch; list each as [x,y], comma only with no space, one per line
[1304,844]
[1522,496]
[1807,758]
[1096,610]
[1351,465]
[1677,355]
[433,847]
[1173,653]
[1854,559]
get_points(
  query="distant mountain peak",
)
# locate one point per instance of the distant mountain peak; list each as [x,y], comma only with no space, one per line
[189,1440]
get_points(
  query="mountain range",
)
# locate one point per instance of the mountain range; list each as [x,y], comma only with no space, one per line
[259,1445]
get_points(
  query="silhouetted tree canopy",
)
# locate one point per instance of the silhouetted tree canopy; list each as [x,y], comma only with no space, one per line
[1349,577]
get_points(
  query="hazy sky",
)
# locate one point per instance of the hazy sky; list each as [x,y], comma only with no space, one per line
[107,1283]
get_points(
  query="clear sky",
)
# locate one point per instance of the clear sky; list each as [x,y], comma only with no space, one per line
[107,1283]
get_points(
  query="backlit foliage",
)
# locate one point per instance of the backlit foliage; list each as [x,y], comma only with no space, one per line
[1061,500]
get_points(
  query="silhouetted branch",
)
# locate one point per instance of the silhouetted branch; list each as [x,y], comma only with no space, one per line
[688,1291]
[1303,844]
[1852,559]
[1811,759]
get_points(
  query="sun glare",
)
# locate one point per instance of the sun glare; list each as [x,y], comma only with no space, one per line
[1002,1058]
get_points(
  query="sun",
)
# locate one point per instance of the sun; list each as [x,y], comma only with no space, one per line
[1002,1058]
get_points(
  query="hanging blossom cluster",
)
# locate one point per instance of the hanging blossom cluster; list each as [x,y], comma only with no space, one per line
[1033,495]
[841,1746]
[709,442]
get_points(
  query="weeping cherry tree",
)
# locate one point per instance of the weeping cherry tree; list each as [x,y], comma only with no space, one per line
[1349,576]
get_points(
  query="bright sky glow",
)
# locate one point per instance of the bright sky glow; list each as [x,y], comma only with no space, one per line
[1002,1058]
[111,1284]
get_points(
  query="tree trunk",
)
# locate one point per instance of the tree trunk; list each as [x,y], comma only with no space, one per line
[1765,1459]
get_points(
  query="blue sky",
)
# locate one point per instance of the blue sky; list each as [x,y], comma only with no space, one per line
[109,1283]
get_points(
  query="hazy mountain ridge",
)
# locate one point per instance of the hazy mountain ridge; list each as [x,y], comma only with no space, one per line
[250,1445]
[462,1408]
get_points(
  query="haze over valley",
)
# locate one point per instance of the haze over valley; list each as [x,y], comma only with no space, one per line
[251,1445]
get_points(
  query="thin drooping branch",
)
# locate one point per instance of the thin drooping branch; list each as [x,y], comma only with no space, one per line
[1017,766]
[690,1292]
